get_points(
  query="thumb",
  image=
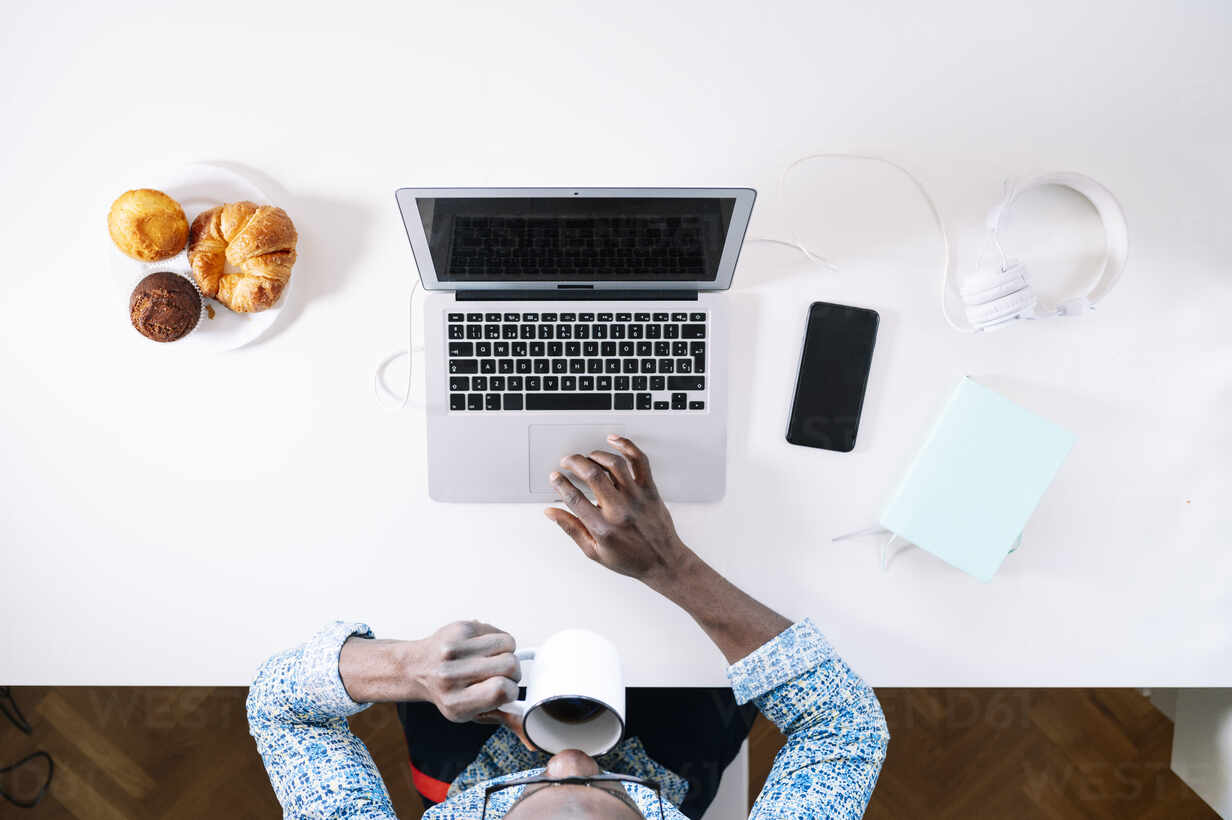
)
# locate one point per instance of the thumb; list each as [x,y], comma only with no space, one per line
[511,722]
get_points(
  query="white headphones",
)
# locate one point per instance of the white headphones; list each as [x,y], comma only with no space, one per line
[993,300]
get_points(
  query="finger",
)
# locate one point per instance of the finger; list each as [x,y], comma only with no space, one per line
[637,459]
[490,643]
[511,722]
[596,477]
[485,696]
[579,504]
[480,668]
[615,465]
[575,530]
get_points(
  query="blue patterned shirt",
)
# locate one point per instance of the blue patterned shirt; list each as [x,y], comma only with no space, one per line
[836,738]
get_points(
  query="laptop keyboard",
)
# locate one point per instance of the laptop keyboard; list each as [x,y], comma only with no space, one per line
[647,362]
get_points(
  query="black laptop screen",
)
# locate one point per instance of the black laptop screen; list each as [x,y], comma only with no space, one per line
[576,239]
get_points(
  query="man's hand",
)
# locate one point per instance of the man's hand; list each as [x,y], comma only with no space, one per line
[630,530]
[466,668]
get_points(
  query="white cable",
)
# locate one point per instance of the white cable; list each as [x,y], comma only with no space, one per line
[386,396]
[919,186]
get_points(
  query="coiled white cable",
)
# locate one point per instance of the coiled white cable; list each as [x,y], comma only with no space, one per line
[384,394]
[795,242]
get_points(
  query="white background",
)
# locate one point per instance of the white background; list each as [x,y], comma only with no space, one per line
[173,519]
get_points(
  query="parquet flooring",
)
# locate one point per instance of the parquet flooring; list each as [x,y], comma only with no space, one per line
[184,753]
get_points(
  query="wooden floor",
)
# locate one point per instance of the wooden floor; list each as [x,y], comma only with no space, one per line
[145,753]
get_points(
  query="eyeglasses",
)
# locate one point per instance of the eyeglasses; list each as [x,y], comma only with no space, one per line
[590,780]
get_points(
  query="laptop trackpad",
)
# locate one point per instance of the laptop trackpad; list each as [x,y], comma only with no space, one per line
[549,443]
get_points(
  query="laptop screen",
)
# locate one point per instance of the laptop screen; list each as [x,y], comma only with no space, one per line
[576,239]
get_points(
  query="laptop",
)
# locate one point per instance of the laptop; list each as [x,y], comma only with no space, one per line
[558,316]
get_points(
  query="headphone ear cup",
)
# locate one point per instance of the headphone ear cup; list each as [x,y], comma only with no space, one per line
[985,287]
[1002,309]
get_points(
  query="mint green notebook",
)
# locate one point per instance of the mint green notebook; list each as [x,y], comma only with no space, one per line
[967,496]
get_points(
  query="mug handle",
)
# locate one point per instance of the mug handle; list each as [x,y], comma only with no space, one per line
[517,707]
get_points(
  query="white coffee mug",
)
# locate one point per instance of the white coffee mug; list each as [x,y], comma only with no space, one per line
[575,693]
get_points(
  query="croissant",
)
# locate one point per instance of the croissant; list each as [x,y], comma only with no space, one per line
[259,240]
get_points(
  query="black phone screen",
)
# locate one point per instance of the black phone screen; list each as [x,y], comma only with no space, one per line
[838,351]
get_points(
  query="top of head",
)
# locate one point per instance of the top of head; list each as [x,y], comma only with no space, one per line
[997,297]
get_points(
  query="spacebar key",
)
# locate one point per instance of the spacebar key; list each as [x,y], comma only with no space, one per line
[568,401]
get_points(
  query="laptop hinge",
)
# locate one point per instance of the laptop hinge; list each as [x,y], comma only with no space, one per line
[567,294]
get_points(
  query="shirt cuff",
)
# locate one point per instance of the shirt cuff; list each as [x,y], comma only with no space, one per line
[793,652]
[319,674]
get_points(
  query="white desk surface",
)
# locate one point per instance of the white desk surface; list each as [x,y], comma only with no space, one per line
[173,520]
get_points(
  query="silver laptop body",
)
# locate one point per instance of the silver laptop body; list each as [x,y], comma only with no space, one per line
[557,316]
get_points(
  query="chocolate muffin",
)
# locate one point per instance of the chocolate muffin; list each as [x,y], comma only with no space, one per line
[164,307]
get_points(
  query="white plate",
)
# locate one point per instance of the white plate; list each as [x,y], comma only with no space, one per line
[198,188]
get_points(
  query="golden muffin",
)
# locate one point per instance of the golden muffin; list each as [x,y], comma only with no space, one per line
[147,225]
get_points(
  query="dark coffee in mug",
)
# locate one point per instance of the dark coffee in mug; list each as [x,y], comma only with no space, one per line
[573,710]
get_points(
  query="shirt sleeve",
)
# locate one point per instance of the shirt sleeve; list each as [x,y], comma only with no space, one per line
[836,732]
[297,713]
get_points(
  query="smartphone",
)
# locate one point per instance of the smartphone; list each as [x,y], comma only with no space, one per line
[834,365]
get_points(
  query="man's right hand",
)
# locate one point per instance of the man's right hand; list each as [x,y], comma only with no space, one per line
[466,668]
[629,530]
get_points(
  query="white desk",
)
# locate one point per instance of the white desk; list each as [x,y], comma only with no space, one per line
[170,520]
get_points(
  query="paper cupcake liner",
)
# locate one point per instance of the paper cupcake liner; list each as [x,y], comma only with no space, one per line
[179,266]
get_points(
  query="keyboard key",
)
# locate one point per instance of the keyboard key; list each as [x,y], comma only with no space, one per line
[459,384]
[626,348]
[680,348]
[622,382]
[586,383]
[699,364]
[512,317]
[569,401]
[500,349]
[474,401]
[594,365]
[483,349]
[530,317]
[658,383]
[457,332]
[641,317]
[644,401]
[686,383]
[551,383]
[586,317]
[504,366]
[661,405]
[560,365]
[603,383]
[680,317]
[598,332]
[697,405]
[460,366]
[493,401]
[474,331]
[623,401]
[667,366]
[456,317]
[605,317]
[479,383]
[644,349]
[573,349]
[684,365]
[556,348]
[515,384]
[581,331]
[518,348]
[641,383]
[617,331]
[680,401]
[568,383]
[611,365]
[590,349]
[509,331]
[697,317]
[533,383]
[624,317]
[693,331]
[542,366]
[487,366]
[491,331]
[546,331]
[537,349]
[577,365]
[648,365]
[564,331]
[492,317]
[662,349]
[513,401]
[607,349]
[496,383]
[654,331]
[637,331]
[524,366]
[457,401]
[671,331]
[461,349]
[527,332]
[660,317]
[568,317]
[630,365]
[548,317]
[474,317]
